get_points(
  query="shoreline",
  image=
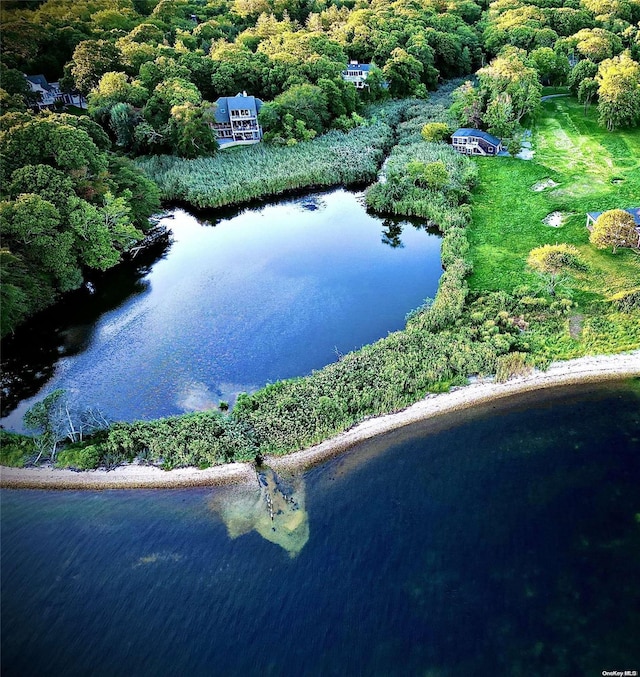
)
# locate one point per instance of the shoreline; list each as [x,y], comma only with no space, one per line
[137,476]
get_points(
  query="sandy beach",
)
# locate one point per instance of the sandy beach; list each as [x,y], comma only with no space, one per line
[134,476]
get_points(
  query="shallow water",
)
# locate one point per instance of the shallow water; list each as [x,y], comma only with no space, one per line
[238,300]
[499,541]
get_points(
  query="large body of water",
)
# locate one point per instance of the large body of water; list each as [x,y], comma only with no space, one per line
[503,541]
[237,301]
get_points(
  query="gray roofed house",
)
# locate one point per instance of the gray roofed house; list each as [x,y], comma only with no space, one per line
[236,120]
[39,81]
[49,93]
[357,73]
[475,142]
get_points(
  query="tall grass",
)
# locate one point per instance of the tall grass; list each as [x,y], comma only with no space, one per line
[250,172]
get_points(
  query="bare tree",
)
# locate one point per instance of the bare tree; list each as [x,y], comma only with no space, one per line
[56,419]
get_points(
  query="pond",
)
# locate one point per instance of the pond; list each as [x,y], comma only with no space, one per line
[499,541]
[237,301]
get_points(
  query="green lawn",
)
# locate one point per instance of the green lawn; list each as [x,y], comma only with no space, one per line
[547,90]
[596,170]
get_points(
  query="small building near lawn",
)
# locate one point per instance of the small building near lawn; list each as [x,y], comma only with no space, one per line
[475,142]
[236,120]
[592,217]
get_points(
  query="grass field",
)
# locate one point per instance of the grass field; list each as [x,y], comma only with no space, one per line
[595,170]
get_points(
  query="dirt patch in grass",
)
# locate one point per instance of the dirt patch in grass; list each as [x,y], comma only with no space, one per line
[543,185]
[575,326]
[554,220]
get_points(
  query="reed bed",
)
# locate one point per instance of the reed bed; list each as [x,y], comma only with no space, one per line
[247,173]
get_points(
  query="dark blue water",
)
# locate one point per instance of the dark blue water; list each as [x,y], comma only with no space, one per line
[498,542]
[239,300]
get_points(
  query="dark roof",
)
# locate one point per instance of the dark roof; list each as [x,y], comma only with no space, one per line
[240,101]
[634,211]
[39,80]
[466,131]
[358,67]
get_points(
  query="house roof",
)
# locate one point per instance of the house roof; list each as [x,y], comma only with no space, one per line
[365,67]
[240,101]
[40,81]
[466,131]
[634,211]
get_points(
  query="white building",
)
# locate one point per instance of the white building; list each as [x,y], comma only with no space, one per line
[357,73]
[49,93]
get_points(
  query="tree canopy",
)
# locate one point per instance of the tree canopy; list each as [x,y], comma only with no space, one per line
[615,228]
[619,92]
[133,53]
[65,208]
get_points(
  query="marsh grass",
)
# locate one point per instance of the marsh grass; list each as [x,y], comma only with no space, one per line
[247,173]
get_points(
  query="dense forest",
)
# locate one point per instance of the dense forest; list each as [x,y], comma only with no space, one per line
[152,69]
[77,186]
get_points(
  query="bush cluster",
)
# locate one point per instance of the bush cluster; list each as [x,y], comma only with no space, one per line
[201,439]
[627,301]
[15,450]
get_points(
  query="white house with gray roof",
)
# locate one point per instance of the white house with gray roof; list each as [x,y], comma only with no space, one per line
[49,93]
[236,120]
[475,142]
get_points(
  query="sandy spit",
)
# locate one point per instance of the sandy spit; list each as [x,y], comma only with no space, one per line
[135,476]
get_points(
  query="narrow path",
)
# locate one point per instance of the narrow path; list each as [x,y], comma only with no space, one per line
[553,96]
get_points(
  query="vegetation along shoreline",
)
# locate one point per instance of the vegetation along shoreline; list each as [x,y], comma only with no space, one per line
[503,327]
[134,476]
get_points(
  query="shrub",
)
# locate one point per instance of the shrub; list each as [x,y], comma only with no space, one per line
[627,301]
[85,457]
[554,258]
[552,261]
[15,450]
[510,365]
[435,131]
[432,175]
[614,228]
